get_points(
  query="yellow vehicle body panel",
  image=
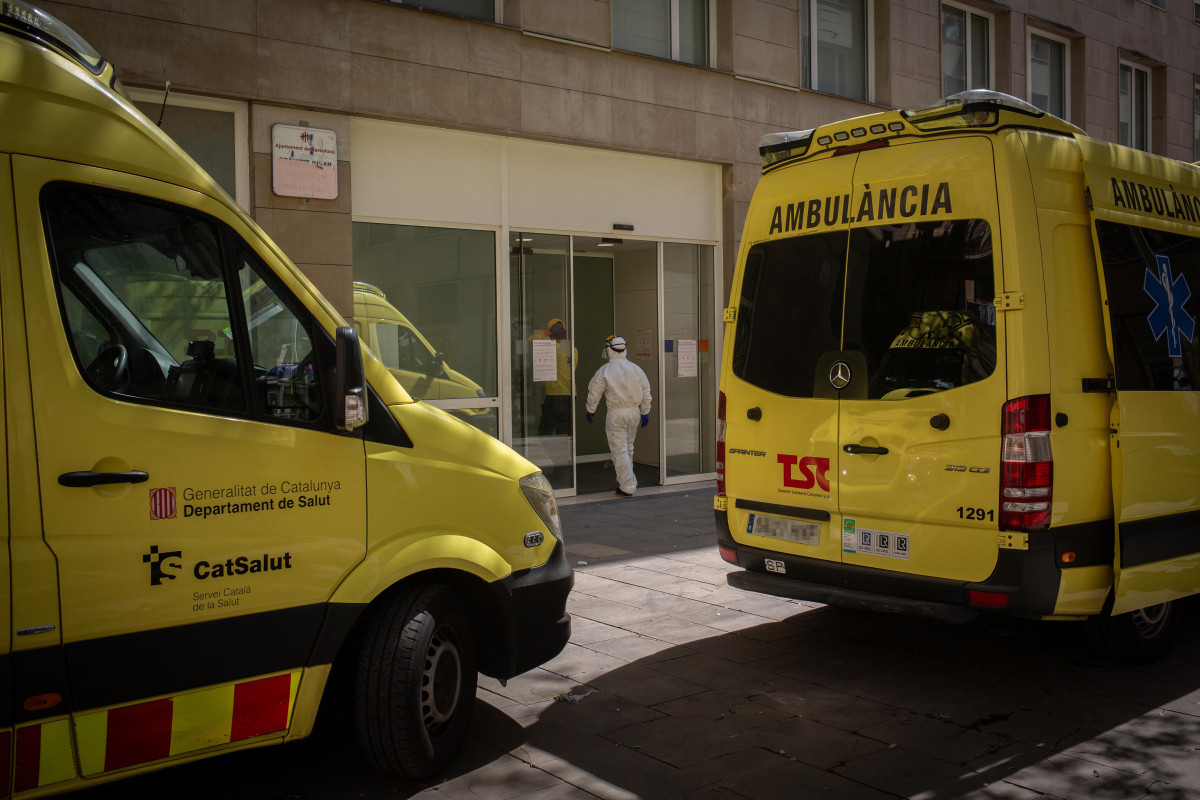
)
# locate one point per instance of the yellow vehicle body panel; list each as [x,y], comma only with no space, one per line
[193,540]
[1155,433]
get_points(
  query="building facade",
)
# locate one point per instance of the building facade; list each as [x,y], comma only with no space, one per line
[495,166]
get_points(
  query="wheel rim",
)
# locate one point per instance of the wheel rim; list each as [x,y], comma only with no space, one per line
[1150,622]
[441,681]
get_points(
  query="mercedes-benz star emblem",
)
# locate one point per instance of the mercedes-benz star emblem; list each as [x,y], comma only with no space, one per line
[839,375]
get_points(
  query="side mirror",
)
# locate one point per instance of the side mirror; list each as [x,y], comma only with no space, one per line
[439,365]
[350,383]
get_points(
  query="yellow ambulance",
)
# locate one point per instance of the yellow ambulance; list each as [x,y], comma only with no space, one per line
[419,367]
[960,373]
[214,498]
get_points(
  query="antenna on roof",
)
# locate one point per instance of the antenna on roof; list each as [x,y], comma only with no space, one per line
[161,111]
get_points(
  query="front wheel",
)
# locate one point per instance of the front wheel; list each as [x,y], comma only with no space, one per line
[1136,637]
[416,682]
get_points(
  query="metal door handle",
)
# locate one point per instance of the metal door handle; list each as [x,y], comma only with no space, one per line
[865,450]
[89,478]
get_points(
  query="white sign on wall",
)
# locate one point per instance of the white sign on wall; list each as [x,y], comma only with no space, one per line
[304,162]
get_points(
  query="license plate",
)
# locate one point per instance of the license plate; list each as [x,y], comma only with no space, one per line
[789,530]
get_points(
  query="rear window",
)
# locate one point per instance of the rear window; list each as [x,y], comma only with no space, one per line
[914,302]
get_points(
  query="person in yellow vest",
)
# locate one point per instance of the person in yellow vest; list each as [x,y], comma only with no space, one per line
[555,418]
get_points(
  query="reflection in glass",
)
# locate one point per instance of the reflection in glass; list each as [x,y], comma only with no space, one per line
[544,355]
[688,391]
[425,304]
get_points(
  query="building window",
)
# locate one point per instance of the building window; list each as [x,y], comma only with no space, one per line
[425,304]
[966,50]
[837,47]
[1156,3]
[472,9]
[210,130]
[674,29]
[1196,123]
[1049,74]
[1134,107]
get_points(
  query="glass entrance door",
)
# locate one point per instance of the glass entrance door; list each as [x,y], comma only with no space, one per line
[544,355]
[689,366]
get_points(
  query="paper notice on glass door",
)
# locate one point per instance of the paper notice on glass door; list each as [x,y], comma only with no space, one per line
[545,360]
[687,358]
[645,337]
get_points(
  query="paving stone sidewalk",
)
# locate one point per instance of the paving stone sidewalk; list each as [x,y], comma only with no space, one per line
[677,685]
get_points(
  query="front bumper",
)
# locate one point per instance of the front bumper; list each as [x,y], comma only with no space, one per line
[532,625]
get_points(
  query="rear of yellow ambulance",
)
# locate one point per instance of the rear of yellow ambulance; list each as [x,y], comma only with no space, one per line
[885,414]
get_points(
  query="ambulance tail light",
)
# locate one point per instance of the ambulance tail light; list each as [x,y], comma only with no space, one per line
[721,443]
[1026,465]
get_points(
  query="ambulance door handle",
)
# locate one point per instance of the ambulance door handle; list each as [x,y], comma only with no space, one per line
[89,478]
[754,414]
[865,450]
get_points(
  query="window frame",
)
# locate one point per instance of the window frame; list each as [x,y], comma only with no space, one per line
[1066,52]
[497,9]
[1196,121]
[241,129]
[673,23]
[810,77]
[229,242]
[1147,95]
[971,11]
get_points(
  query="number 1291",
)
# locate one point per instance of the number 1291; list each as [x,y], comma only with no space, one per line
[982,514]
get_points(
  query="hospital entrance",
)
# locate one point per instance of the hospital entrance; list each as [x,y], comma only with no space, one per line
[567,295]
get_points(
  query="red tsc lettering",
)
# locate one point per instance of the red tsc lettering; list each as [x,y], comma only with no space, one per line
[808,478]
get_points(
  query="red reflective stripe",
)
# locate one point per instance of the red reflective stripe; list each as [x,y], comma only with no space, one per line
[139,733]
[5,761]
[260,707]
[29,757]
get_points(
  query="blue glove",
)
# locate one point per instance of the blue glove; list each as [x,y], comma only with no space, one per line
[645,420]
[589,417]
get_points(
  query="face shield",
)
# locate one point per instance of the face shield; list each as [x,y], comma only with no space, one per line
[613,344]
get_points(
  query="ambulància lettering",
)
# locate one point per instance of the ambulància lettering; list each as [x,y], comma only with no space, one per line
[1134,196]
[872,206]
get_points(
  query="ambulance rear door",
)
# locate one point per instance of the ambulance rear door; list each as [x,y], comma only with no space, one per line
[781,433]
[865,390]
[1146,213]
[919,423]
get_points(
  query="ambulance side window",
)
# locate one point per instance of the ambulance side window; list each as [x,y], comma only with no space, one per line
[401,349]
[143,298]
[281,345]
[1151,277]
[790,311]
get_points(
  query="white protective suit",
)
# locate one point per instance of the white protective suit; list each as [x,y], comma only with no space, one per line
[626,391]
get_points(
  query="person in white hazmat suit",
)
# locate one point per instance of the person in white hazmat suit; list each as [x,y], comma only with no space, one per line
[626,392]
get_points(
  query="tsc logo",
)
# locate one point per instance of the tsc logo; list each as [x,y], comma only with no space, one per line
[158,561]
[812,471]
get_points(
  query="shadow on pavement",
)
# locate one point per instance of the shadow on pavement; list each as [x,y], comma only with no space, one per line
[677,685]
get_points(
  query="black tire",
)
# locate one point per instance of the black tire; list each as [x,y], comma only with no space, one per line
[1136,637]
[416,681]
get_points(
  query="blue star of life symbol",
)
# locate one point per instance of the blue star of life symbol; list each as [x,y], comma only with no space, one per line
[1169,316]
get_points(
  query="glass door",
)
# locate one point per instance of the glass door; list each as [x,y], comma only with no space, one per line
[689,367]
[544,355]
